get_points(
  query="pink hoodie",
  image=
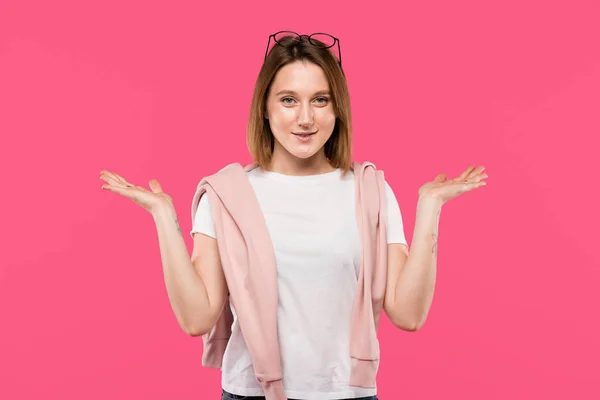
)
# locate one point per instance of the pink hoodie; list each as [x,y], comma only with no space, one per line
[249,266]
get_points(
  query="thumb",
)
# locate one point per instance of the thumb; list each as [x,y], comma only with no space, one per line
[155,186]
[440,178]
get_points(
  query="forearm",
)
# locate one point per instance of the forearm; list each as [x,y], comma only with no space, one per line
[416,281]
[186,291]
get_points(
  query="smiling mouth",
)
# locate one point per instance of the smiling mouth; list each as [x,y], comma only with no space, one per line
[304,134]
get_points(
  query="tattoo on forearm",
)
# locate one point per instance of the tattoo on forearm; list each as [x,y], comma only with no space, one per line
[434,235]
[178,228]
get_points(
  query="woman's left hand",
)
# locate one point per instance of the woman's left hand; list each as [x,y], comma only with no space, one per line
[443,189]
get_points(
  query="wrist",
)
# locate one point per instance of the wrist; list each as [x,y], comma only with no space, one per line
[427,201]
[163,210]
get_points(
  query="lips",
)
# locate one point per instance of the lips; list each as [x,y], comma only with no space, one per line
[303,133]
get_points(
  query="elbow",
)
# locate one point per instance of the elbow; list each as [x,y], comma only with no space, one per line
[406,323]
[412,327]
[198,325]
[194,332]
[193,328]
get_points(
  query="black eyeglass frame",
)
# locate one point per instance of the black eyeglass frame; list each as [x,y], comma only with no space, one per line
[310,40]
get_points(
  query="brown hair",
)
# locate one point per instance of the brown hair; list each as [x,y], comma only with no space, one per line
[260,139]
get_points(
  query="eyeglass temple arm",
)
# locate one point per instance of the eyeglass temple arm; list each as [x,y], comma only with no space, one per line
[268,43]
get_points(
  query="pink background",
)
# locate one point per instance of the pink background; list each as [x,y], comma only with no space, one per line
[163,91]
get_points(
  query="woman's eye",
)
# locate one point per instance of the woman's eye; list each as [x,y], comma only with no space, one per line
[318,100]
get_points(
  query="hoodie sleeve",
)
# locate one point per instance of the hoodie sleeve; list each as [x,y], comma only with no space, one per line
[203,222]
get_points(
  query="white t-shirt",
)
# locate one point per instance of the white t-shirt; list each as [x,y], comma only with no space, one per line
[313,227]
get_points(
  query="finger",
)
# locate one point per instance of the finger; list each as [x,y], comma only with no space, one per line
[122,190]
[131,192]
[465,173]
[155,186]
[118,178]
[107,175]
[476,178]
[474,185]
[475,172]
[112,180]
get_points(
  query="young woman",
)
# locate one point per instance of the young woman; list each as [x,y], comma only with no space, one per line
[300,137]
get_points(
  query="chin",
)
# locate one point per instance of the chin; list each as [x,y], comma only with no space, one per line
[303,154]
[304,150]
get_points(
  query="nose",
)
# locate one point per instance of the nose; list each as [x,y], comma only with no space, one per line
[305,117]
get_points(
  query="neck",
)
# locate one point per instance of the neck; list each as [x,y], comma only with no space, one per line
[290,165]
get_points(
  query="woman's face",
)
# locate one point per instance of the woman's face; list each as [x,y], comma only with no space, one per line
[300,111]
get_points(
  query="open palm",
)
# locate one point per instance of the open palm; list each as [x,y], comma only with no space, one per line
[443,189]
[150,200]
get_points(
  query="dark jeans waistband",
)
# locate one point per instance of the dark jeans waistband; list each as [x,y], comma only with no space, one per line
[230,396]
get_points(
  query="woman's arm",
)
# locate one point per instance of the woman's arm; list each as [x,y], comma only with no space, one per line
[411,275]
[196,287]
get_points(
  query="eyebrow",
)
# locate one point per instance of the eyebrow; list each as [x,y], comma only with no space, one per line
[320,92]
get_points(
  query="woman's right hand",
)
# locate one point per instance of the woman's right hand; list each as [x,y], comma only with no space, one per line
[151,201]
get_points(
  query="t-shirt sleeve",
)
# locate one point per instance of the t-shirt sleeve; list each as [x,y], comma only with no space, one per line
[395,226]
[203,222]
